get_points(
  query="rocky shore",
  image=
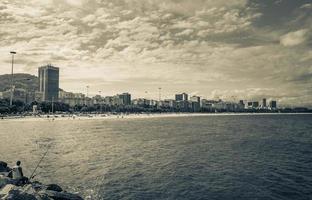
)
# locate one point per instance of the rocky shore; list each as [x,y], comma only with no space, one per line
[33,190]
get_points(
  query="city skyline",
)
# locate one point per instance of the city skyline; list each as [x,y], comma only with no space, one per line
[247,49]
[48,81]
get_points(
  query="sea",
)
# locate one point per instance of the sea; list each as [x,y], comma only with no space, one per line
[215,157]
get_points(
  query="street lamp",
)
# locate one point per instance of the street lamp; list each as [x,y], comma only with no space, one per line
[87,90]
[159,94]
[11,97]
[100,101]
[86,99]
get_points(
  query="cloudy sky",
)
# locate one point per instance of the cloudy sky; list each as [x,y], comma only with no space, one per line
[238,49]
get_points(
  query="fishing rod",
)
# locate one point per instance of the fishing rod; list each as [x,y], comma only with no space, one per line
[32,175]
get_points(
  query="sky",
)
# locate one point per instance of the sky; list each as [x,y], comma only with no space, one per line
[238,49]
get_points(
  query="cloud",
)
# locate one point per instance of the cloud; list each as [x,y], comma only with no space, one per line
[199,45]
[306,6]
[294,38]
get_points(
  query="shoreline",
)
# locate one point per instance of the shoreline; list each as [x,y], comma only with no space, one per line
[121,116]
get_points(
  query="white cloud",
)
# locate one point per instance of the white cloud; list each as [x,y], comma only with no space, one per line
[294,38]
[307,6]
[186,45]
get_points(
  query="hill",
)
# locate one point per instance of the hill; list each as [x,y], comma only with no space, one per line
[22,81]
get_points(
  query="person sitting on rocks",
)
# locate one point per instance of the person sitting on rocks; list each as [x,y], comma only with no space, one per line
[17,174]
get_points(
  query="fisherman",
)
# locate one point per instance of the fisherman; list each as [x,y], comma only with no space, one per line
[17,174]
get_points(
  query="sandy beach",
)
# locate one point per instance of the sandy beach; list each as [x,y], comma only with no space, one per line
[121,116]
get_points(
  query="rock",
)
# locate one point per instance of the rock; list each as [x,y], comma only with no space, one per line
[12,192]
[43,197]
[4,167]
[6,189]
[4,181]
[54,187]
[37,186]
[60,195]
[18,194]
[9,190]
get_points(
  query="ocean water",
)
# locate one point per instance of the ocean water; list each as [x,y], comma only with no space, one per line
[196,157]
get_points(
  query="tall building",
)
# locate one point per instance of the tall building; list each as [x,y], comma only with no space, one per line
[273,105]
[125,97]
[195,103]
[264,103]
[49,82]
[255,104]
[181,97]
[195,99]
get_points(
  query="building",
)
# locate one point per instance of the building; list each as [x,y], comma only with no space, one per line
[116,101]
[20,95]
[125,97]
[195,103]
[72,99]
[97,99]
[181,97]
[49,82]
[195,99]
[153,102]
[142,102]
[264,103]
[168,103]
[273,104]
[255,104]
[208,105]
[183,106]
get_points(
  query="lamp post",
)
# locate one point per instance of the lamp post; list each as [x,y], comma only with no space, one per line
[100,101]
[159,94]
[11,97]
[87,94]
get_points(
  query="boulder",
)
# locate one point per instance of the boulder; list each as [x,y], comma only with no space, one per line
[43,197]
[6,189]
[37,186]
[12,192]
[54,187]
[5,181]
[3,166]
[60,195]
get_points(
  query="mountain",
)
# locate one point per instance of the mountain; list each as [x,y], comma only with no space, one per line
[21,81]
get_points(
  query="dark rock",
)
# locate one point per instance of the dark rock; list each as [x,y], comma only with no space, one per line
[17,194]
[3,166]
[12,192]
[5,181]
[54,187]
[60,195]
[37,186]
[43,197]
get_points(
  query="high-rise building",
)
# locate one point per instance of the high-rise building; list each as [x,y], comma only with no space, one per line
[195,99]
[264,103]
[49,82]
[255,104]
[195,103]
[125,97]
[273,105]
[181,97]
